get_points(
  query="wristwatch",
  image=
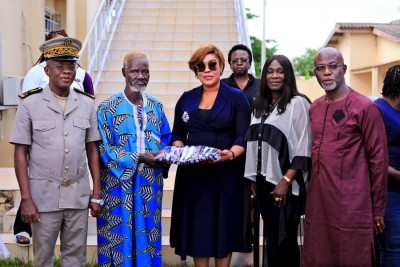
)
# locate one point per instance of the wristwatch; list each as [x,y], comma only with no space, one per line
[98,201]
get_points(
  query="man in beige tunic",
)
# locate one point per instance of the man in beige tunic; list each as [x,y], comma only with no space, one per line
[55,136]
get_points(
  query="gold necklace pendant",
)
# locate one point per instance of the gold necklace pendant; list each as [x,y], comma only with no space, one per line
[242,83]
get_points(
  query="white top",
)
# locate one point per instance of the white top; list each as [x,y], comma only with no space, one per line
[286,138]
[36,77]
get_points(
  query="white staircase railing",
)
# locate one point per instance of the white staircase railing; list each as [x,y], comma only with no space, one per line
[241,22]
[98,40]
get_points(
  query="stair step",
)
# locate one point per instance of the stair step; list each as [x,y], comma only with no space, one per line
[169,257]
[26,253]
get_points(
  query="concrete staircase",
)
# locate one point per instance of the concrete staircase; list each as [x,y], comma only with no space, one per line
[168,31]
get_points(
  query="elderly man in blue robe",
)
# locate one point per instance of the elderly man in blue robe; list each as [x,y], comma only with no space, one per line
[133,128]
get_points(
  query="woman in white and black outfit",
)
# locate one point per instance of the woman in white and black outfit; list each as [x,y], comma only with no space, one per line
[277,161]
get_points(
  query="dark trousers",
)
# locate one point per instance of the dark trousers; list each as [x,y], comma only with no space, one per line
[276,254]
[20,226]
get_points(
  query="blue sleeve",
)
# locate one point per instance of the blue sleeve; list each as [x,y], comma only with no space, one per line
[112,154]
[165,130]
[179,130]
[242,118]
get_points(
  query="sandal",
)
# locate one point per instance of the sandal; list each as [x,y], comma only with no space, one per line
[23,239]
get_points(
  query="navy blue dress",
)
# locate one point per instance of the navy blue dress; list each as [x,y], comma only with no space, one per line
[390,238]
[209,209]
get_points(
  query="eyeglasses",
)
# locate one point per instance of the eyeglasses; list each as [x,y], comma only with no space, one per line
[242,60]
[61,68]
[212,65]
[331,67]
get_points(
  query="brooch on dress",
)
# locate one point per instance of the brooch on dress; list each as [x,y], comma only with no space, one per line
[185,117]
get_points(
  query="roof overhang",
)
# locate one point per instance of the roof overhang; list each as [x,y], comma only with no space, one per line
[369,68]
[341,28]
[388,31]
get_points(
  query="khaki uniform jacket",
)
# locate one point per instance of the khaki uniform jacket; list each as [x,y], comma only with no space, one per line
[58,173]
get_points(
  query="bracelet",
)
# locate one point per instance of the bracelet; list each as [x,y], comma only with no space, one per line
[287,179]
[233,154]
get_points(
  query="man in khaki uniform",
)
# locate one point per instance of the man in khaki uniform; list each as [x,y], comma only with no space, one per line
[55,136]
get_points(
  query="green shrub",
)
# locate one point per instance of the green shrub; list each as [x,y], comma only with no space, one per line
[15,262]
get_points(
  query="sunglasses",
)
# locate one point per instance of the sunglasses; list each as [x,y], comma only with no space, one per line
[212,65]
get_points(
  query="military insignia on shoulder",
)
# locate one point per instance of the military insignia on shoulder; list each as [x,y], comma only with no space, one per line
[84,93]
[30,92]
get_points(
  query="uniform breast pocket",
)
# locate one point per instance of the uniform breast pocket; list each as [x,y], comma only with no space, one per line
[44,132]
[80,127]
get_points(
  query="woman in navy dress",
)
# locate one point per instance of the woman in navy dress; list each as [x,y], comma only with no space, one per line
[208,210]
[390,106]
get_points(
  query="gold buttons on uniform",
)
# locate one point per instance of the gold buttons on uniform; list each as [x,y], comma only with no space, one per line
[66,151]
[65,133]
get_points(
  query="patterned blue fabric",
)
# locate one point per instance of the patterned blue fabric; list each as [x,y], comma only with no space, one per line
[129,228]
[188,155]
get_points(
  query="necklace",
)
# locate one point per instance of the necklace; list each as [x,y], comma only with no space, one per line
[241,84]
[272,106]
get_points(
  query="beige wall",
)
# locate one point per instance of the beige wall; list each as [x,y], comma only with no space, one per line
[367,57]
[344,46]
[18,53]
[309,87]
[387,51]
[362,50]
[362,83]
[20,45]
[6,149]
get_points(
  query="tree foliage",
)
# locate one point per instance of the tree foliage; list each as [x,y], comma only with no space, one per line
[250,15]
[304,64]
[256,47]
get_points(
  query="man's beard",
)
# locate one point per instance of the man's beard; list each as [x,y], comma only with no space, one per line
[329,87]
[136,88]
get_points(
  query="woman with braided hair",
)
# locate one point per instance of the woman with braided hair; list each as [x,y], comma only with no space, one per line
[389,104]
